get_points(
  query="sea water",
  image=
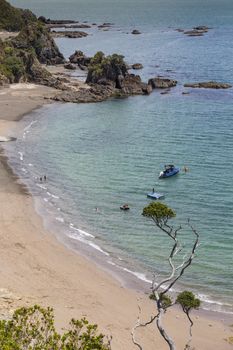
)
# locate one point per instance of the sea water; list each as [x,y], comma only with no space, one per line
[98,156]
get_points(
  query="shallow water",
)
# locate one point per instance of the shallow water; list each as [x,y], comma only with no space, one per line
[103,155]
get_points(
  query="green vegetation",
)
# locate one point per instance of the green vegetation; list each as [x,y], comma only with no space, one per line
[33,328]
[159,213]
[11,62]
[13,19]
[106,67]
[188,301]
[166,301]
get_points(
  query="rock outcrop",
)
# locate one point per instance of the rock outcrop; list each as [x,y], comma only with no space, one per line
[113,71]
[36,36]
[209,85]
[137,66]
[161,83]
[80,59]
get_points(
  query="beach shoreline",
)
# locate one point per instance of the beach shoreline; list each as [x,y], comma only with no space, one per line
[60,278]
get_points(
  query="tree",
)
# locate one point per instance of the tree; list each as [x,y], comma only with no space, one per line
[33,328]
[161,214]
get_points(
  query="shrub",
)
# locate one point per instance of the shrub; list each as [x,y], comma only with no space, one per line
[33,328]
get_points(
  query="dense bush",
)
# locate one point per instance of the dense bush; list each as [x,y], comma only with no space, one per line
[33,328]
[14,19]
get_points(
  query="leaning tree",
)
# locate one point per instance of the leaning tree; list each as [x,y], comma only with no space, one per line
[161,216]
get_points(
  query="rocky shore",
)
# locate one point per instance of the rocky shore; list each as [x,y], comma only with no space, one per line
[26,57]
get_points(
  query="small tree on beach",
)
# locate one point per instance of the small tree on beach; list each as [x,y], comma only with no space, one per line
[161,214]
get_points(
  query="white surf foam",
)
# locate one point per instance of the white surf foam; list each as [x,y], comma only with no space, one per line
[20,155]
[60,219]
[139,275]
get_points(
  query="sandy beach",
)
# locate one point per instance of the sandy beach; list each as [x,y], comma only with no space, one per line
[36,268]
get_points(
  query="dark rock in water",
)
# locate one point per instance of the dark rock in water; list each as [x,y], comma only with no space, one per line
[209,85]
[105,25]
[161,83]
[203,28]
[185,93]
[69,66]
[135,31]
[69,34]
[58,21]
[132,85]
[137,66]
[36,35]
[197,31]
[79,58]
[194,33]
[164,92]
[179,30]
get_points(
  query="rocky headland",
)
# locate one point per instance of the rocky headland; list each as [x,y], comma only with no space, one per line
[26,56]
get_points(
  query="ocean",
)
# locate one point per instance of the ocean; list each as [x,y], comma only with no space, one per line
[98,156]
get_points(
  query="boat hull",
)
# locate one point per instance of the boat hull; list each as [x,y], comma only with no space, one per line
[164,174]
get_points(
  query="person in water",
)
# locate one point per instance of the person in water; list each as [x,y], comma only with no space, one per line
[153,190]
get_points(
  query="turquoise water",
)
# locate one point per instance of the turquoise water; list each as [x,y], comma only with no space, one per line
[103,155]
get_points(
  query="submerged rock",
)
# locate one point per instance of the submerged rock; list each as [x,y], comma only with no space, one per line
[209,85]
